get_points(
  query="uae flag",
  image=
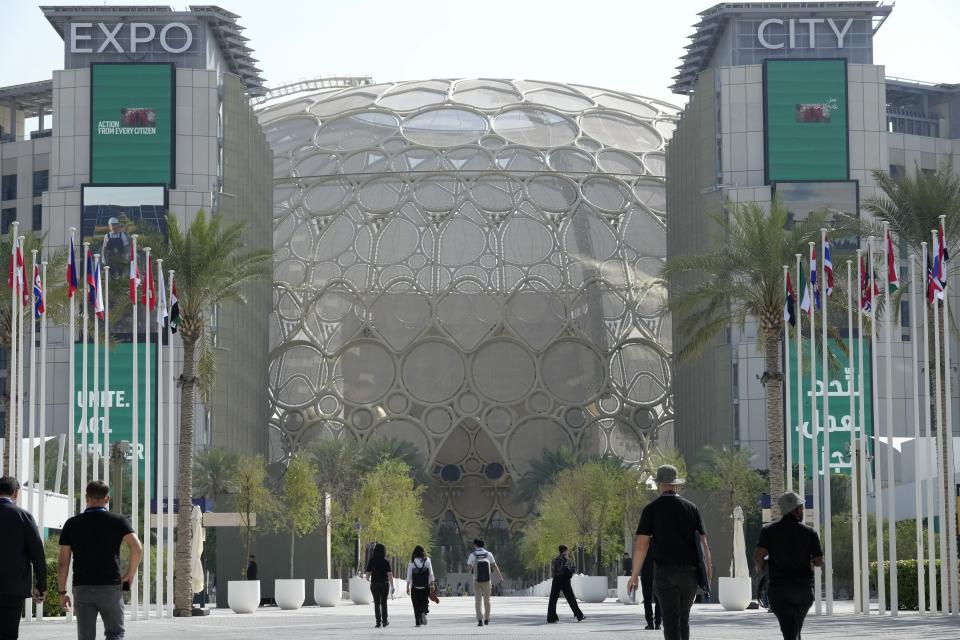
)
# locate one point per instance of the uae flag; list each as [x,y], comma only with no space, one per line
[790,304]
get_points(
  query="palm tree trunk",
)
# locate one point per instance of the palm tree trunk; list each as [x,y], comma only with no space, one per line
[183,578]
[774,407]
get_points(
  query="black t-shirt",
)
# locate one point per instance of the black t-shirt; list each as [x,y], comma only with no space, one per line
[95,537]
[252,570]
[791,545]
[378,568]
[672,521]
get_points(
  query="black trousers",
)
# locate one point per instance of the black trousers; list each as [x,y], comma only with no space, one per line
[790,604]
[651,605]
[558,586]
[420,598]
[676,588]
[380,591]
[11,610]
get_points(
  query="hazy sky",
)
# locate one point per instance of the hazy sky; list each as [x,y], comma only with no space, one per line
[630,45]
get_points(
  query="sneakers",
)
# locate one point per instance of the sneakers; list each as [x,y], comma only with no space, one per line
[580,618]
[479,623]
[486,622]
[385,623]
[378,625]
[649,627]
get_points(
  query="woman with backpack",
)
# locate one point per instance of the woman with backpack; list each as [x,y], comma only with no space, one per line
[420,581]
[562,572]
[380,575]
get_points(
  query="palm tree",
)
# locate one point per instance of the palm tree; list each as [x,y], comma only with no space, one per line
[211,266]
[741,279]
[212,472]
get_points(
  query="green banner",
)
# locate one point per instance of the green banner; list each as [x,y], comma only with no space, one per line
[805,104]
[119,397]
[131,123]
[844,377]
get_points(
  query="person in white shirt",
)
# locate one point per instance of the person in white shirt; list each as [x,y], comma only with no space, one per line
[420,583]
[482,564]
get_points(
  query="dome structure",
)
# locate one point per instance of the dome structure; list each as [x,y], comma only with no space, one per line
[470,266]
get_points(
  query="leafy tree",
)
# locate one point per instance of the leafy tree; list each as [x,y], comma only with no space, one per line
[299,509]
[741,279]
[213,471]
[212,266]
[252,500]
[730,476]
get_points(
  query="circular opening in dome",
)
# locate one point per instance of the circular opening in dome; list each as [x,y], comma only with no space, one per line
[621,131]
[446,127]
[357,131]
[494,471]
[535,127]
[450,473]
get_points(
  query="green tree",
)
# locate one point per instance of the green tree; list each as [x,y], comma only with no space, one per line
[741,279]
[543,471]
[729,475]
[213,471]
[299,510]
[212,266]
[252,500]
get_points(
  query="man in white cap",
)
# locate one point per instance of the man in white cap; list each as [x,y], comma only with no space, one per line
[676,526]
[788,550]
[116,242]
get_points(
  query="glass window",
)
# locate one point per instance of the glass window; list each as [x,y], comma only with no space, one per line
[6,217]
[37,217]
[41,182]
[8,187]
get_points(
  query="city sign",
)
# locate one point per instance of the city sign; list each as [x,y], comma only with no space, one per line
[798,24]
[174,37]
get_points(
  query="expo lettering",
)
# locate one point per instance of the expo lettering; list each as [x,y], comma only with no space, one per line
[140,33]
[811,23]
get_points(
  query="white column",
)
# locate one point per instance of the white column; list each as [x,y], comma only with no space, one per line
[825,420]
[931,452]
[918,503]
[891,471]
[877,489]
[854,463]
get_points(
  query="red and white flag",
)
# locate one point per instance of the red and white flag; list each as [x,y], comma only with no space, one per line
[134,274]
[149,291]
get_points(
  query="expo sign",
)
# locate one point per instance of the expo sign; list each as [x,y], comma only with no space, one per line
[175,37]
[797,24]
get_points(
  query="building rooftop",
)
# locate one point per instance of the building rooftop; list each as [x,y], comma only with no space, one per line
[713,23]
[224,25]
[30,98]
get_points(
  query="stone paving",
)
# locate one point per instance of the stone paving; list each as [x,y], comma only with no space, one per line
[511,618]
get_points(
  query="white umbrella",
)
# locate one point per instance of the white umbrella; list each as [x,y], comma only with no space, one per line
[199,536]
[740,567]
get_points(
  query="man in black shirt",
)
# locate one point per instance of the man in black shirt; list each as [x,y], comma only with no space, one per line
[20,549]
[93,538]
[788,550]
[675,524]
[252,567]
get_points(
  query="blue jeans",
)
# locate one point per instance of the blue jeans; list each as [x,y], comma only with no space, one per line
[105,600]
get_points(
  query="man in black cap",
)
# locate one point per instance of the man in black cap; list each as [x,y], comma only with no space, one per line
[676,526]
[788,550]
[20,548]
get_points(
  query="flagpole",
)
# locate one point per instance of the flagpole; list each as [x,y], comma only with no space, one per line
[827,505]
[877,489]
[864,515]
[135,461]
[106,373]
[948,434]
[71,406]
[20,358]
[891,472]
[944,593]
[930,450]
[786,368]
[96,372]
[32,420]
[815,423]
[43,413]
[173,449]
[854,464]
[12,453]
[84,422]
[801,431]
[147,439]
[918,502]
[161,542]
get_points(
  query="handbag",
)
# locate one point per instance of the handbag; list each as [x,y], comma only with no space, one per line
[434,598]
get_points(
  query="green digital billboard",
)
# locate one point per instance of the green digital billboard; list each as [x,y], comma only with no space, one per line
[844,377]
[805,113]
[132,123]
[119,397]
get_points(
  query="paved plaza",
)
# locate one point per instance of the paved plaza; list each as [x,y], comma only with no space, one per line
[512,618]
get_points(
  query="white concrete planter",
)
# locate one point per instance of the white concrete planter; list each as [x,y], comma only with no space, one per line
[327,592]
[360,591]
[243,596]
[399,588]
[290,593]
[590,588]
[622,595]
[735,593]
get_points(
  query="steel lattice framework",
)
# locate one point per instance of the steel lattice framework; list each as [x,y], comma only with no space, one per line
[470,266]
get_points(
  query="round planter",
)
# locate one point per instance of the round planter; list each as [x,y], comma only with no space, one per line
[622,594]
[399,588]
[289,593]
[327,592]
[735,593]
[360,591]
[590,588]
[243,596]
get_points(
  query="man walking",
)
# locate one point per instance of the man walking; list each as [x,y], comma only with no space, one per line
[676,526]
[252,568]
[481,563]
[788,550]
[651,606]
[93,539]
[562,573]
[20,549]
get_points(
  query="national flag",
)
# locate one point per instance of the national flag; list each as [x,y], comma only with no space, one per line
[806,305]
[162,314]
[97,297]
[937,272]
[174,318]
[866,297]
[71,271]
[22,276]
[39,308]
[15,270]
[134,274]
[91,281]
[790,304]
[828,267]
[893,278]
[149,291]
[932,283]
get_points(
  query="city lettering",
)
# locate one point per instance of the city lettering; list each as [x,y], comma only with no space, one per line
[140,33]
[811,23]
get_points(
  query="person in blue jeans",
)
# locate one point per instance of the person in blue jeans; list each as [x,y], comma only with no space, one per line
[93,540]
[380,575]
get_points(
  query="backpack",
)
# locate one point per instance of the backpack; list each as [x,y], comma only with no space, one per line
[421,575]
[482,566]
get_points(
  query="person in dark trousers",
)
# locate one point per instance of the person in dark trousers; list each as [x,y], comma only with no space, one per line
[626,564]
[93,539]
[563,570]
[677,527]
[788,550]
[651,606]
[482,564]
[252,567]
[420,583]
[380,576]
[23,568]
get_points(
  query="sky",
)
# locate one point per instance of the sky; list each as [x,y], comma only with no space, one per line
[627,45]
